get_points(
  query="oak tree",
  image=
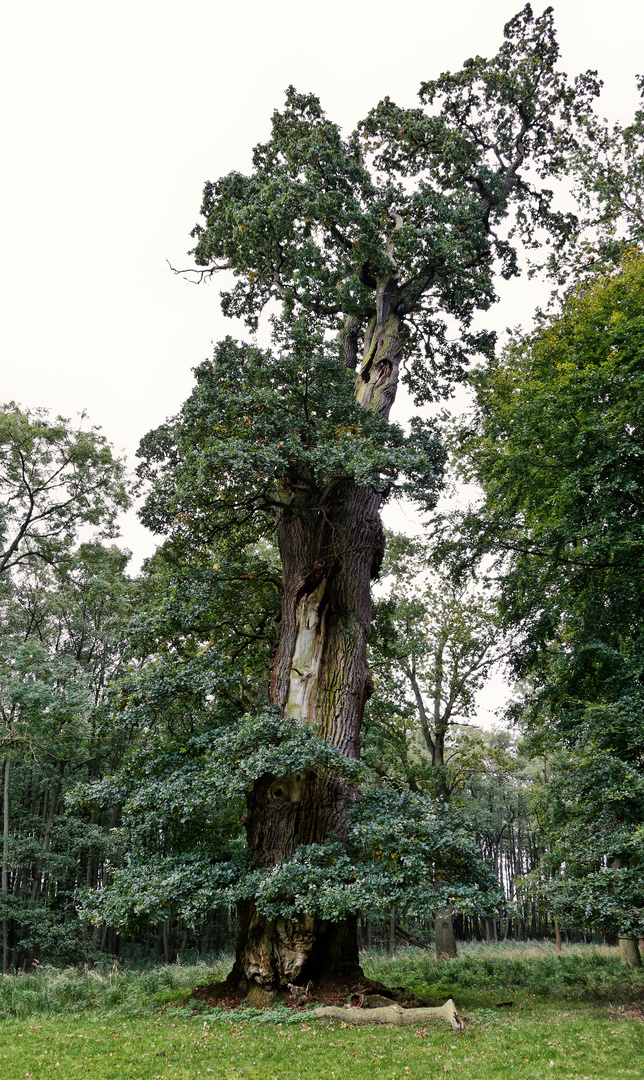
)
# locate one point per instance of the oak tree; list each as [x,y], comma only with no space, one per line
[376,249]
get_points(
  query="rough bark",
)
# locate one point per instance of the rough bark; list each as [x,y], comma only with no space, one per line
[331,545]
[320,676]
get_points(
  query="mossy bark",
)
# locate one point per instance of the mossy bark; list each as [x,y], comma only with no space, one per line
[331,546]
[320,677]
[629,952]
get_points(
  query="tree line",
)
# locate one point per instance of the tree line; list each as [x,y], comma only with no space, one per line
[249,737]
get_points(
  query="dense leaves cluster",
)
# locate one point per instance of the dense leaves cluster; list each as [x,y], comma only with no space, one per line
[262,428]
[558,445]
[183,807]
[412,195]
[54,477]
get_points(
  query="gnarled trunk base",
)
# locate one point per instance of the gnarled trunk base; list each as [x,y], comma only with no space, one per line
[271,954]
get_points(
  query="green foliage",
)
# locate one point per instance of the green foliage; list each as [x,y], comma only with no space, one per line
[183,805]
[432,646]
[262,428]
[103,990]
[402,852]
[322,219]
[61,607]
[557,444]
[60,646]
[54,477]
[485,973]
[591,870]
[608,176]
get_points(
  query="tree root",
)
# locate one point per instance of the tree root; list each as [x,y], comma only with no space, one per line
[391,1014]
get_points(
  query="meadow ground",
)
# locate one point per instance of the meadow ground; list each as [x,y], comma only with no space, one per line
[577,1015]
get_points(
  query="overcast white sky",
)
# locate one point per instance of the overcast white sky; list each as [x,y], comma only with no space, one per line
[116,113]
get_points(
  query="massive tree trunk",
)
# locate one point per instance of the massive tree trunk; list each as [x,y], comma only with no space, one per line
[330,549]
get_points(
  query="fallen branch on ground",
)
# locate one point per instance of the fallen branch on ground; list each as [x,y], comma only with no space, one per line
[391,1014]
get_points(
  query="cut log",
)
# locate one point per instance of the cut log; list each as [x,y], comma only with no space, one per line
[391,1014]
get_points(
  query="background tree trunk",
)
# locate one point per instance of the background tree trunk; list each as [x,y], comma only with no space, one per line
[629,952]
[392,933]
[557,935]
[445,939]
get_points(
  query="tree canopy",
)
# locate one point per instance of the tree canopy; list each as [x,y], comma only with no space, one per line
[209,716]
[557,444]
[54,477]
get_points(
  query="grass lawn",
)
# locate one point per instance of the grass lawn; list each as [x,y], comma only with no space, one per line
[588,1027]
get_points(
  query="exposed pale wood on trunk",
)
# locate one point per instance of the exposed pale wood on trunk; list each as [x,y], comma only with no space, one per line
[329,551]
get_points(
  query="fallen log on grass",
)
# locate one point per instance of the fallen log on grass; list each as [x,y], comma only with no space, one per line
[390,1014]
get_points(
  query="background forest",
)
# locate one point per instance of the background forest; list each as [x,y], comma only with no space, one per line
[136,709]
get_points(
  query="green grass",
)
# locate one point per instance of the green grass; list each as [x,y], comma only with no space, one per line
[488,974]
[109,992]
[573,1016]
[527,1046]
